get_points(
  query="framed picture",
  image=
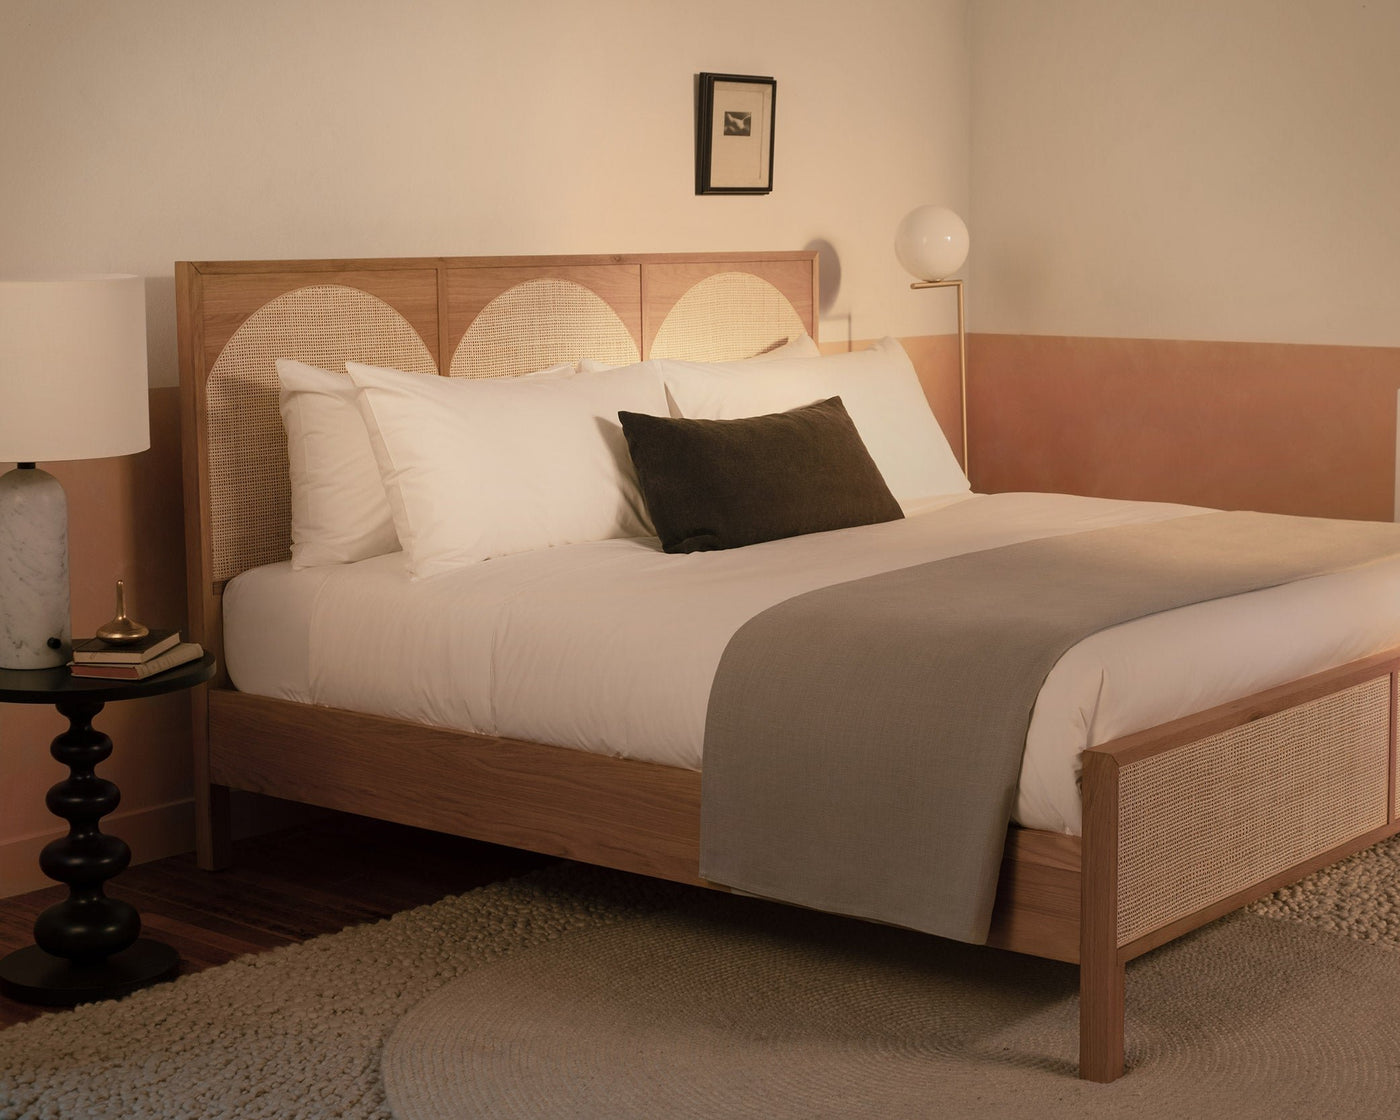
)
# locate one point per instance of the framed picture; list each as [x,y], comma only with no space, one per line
[734,135]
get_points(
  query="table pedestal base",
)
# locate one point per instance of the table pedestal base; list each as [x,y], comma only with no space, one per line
[31,975]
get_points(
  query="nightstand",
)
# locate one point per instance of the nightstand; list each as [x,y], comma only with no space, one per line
[88,946]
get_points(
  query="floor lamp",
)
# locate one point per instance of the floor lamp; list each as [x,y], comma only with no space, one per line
[931,243]
[73,385]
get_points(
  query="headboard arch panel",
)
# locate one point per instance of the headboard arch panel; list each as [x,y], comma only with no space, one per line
[539,323]
[712,290]
[558,292]
[325,325]
[227,298]
[724,317]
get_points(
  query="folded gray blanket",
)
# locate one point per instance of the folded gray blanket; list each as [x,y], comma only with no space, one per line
[863,741]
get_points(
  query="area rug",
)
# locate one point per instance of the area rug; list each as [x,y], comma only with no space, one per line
[742,1009]
[572,977]
[297,1032]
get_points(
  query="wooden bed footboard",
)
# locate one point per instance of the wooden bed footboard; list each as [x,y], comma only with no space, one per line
[1191,820]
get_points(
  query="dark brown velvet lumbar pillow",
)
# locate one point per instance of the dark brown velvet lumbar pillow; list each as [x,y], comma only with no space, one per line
[711,484]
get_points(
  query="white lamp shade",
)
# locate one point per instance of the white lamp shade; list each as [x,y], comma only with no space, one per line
[73,379]
[931,242]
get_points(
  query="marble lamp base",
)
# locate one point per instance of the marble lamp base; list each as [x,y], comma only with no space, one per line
[33,570]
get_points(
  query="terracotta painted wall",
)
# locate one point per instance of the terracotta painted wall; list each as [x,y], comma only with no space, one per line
[1280,427]
[142,133]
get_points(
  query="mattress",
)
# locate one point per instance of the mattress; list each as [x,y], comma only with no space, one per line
[611,646]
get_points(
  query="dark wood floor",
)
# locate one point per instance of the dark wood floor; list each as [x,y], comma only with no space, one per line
[282,888]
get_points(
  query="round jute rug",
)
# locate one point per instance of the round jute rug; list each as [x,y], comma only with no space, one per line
[731,1007]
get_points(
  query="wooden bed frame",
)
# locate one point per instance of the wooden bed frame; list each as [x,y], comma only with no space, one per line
[1182,823]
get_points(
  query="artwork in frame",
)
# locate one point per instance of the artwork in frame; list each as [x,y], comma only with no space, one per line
[734,134]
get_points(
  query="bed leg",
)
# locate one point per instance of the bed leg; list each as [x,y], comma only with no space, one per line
[213,831]
[1101,1019]
[213,835]
[1101,968]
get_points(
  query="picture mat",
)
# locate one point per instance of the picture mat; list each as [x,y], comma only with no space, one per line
[741,161]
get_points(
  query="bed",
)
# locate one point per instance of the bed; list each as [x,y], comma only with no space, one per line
[1181,822]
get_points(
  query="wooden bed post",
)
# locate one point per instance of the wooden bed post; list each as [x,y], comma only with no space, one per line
[212,834]
[1101,975]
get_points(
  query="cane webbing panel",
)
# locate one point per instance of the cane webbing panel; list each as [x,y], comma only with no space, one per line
[324,325]
[541,323]
[1248,803]
[725,317]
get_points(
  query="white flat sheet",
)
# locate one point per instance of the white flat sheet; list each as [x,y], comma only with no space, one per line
[611,647]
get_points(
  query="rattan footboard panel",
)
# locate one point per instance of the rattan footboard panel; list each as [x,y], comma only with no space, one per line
[1249,802]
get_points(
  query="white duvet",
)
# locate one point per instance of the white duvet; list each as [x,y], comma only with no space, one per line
[611,646]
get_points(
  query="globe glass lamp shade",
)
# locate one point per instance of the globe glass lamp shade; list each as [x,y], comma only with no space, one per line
[931,243]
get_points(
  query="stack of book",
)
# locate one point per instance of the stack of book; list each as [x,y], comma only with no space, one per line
[132,661]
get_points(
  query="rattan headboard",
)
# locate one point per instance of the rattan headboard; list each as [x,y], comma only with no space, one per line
[457,316]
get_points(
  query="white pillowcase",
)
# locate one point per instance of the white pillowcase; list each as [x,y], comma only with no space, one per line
[339,511]
[482,468]
[878,386]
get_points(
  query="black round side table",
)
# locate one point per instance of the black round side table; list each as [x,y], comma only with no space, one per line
[88,946]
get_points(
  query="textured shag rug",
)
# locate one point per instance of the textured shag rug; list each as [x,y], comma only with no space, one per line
[1300,995]
[296,1032]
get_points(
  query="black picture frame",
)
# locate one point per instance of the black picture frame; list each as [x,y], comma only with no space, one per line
[734,134]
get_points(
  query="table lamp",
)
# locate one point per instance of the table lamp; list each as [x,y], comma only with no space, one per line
[72,386]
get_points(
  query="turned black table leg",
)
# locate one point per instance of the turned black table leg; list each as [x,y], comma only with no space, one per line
[87,946]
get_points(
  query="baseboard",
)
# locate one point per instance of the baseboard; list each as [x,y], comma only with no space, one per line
[153,833]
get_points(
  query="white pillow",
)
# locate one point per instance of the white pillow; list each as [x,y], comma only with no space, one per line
[878,386]
[482,468]
[339,510]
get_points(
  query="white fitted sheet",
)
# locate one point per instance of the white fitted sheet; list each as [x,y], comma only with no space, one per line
[611,646]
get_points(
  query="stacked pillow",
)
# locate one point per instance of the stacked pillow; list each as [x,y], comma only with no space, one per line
[878,386]
[458,470]
[481,468]
[339,510]
[712,484]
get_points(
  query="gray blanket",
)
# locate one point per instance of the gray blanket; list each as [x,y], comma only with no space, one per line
[863,741]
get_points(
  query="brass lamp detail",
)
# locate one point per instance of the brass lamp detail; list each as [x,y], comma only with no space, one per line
[121,629]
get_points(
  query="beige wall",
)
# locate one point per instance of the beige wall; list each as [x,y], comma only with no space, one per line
[142,132]
[1197,169]
[147,131]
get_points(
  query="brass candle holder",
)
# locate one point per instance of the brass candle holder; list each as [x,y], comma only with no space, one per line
[121,629]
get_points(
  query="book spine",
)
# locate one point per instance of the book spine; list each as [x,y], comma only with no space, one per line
[187,651]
